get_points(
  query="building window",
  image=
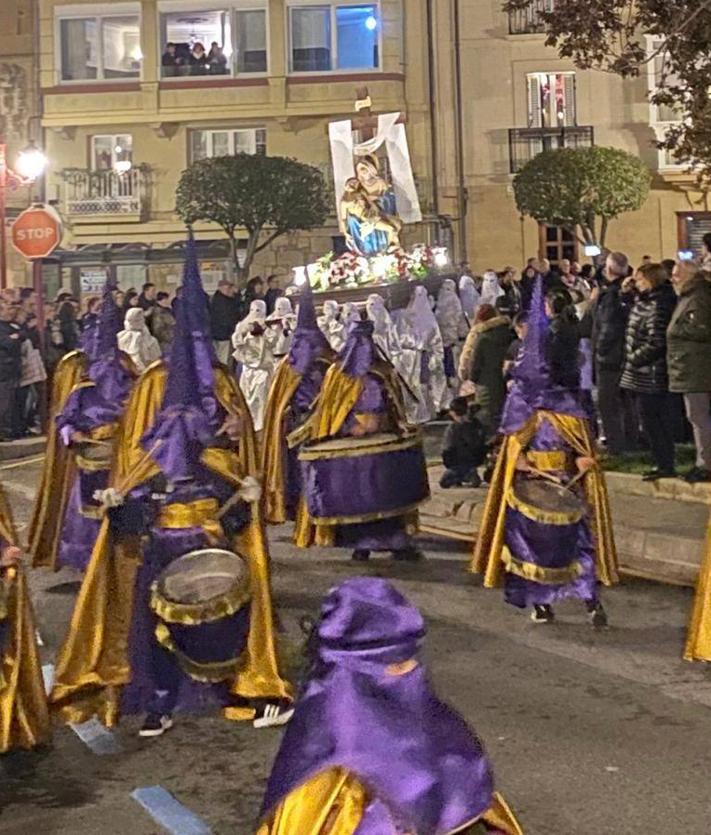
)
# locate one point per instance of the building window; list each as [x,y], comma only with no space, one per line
[334,37]
[556,243]
[205,144]
[99,48]
[214,42]
[691,228]
[662,116]
[551,100]
[529,20]
[111,152]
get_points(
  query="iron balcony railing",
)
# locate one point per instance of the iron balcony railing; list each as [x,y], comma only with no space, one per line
[105,192]
[526,143]
[529,21]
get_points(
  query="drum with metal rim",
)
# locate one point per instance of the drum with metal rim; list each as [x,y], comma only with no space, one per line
[202,601]
[547,502]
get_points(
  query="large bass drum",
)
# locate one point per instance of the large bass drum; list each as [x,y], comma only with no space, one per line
[349,480]
[202,601]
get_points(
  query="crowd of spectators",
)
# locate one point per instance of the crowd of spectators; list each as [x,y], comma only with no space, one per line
[183,59]
[640,339]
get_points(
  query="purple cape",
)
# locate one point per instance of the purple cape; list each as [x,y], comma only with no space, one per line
[422,766]
[532,388]
[358,353]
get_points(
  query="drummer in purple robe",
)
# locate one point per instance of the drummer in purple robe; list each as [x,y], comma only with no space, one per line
[292,395]
[183,482]
[364,469]
[87,424]
[371,749]
[543,541]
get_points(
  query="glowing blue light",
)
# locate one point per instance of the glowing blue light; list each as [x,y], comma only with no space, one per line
[371,23]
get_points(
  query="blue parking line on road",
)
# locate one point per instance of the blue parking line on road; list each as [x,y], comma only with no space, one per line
[95,736]
[169,813]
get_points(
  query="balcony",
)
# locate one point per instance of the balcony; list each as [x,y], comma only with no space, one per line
[101,196]
[528,21]
[526,143]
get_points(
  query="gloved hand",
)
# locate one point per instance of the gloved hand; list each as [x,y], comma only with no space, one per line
[251,490]
[109,497]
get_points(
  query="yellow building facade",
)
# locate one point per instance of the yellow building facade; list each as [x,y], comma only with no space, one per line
[124,113]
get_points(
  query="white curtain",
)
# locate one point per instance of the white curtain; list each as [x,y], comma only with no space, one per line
[394,137]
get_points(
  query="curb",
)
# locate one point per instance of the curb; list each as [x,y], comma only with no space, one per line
[23,448]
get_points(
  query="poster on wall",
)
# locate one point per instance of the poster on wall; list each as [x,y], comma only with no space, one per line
[92,280]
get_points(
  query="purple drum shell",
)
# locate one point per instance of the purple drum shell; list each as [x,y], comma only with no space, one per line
[370,486]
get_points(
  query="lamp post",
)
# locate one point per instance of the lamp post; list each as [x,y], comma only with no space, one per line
[31,163]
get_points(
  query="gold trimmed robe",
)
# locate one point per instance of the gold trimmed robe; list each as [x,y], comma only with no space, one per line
[698,637]
[24,718]
[489,551]
[93,663]
[334,801]
[59,469]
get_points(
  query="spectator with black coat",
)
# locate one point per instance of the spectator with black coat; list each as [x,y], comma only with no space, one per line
[10,370]
[225,313]
[274,292]
[645,365]
[610,311]
[67,320]
[689,358]
[163,322]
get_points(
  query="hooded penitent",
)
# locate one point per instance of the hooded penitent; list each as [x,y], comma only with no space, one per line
[92,411]
[293,392]
[533,387]
[546,423]
[491,290]
[368,709]
[169,460]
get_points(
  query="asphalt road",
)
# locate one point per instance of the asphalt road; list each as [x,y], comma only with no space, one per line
[590,733]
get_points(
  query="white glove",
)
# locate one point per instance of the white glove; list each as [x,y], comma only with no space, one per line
[109,497]
[250,490]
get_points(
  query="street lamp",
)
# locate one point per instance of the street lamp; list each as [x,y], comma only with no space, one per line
[31,163]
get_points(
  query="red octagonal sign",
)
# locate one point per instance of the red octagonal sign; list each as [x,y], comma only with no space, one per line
[37,232]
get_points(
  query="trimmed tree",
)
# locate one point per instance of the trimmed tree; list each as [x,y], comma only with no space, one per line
[581,189]
[611,35]
[265,196]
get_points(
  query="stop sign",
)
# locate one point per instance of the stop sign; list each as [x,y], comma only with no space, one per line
[37,232]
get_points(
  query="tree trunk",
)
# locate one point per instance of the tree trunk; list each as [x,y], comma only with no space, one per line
[250,252]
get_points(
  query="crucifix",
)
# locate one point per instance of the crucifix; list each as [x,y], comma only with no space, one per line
[366,123]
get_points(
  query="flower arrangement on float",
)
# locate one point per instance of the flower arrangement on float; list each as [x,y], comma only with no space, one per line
[351,270]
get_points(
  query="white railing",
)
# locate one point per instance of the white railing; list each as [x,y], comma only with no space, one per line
[104,192]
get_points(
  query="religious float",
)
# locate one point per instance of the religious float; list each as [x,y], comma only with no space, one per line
[375,198]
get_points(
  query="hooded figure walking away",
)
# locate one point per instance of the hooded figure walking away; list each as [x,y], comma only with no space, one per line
[364,469]
[423,359]
[540,535]
[175,611]
[294,391]
[412,765]
[81,447]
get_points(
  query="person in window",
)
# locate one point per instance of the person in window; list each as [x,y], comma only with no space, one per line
[171,61]
[198,60]
[216,60]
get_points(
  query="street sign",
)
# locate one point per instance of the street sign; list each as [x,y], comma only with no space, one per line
[37,232]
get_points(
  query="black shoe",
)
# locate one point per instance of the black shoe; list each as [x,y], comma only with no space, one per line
[598,616]
[360,555]
[408,555]
[542,613]
[656,474]
[697,475]
[156,725]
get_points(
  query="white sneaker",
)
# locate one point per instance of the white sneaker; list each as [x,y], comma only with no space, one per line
[274,716]
[155,725]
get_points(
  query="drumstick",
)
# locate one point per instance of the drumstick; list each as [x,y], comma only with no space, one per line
[128,478]
[545,475]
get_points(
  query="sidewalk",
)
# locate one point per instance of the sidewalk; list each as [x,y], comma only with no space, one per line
[659,529]
[23,448]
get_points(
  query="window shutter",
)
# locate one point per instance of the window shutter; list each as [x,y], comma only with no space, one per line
[570,117]
[535,119]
